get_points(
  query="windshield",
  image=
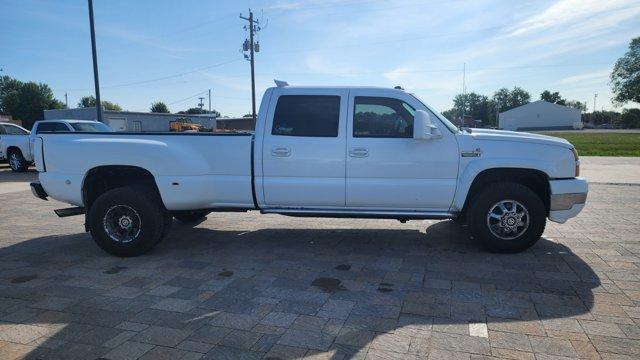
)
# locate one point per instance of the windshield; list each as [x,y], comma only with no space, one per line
[90,127]
[445,121]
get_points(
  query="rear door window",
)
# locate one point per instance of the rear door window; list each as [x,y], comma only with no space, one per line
[307,115]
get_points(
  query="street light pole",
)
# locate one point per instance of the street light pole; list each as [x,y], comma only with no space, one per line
[95,62]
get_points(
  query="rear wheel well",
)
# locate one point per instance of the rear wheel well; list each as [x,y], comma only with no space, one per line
[535,180]
[104,178]
[11,149]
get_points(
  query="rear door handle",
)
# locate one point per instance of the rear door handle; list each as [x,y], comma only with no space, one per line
[281,151]
[359,152]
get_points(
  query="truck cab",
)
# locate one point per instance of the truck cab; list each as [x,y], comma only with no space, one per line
[355,147]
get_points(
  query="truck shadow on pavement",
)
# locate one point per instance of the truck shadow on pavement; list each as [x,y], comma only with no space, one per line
[284,292]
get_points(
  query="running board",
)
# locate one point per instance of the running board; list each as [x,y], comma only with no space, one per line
[367,214]
[72,211]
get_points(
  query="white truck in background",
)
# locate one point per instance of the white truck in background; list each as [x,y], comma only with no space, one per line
[317,151]
[14,144]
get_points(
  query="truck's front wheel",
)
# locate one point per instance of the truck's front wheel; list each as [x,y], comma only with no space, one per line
[126,221]
[507,217]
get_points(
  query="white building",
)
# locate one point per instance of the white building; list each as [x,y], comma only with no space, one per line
[540,115]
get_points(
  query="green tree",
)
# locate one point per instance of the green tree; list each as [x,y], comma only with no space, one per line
[8,86]
[26,101]
[248,115]
[475,105]
[197,111]
[553,97]
[577,105]
[601,117]
[90,101]
[159,107]
[630,119]
[505,99]
[625,77]
[450,114]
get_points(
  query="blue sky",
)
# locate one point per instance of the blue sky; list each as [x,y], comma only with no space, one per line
[172,51]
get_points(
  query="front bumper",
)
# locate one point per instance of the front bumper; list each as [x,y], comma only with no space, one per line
[38,191]
[568,198]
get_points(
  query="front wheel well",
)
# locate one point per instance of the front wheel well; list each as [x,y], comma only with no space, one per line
[535,180]
[104,178]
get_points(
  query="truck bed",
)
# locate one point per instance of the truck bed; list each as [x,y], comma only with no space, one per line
[192,170]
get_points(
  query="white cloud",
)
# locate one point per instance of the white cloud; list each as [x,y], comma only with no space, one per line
[594,76]
[567,12]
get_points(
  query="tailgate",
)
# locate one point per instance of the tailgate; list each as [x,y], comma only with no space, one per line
[38,154]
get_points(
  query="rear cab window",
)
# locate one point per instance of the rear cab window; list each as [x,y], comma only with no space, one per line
[90,127]
[307,116]
[52,127]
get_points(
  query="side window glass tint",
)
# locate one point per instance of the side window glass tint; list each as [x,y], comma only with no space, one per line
[307,115]
[382,118]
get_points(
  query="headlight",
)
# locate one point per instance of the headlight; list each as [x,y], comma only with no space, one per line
[577,158]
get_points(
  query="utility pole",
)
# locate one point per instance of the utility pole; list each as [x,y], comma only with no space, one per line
[252,47]
[201,103]
[95,62]
[594,102]
[209,101]
[66,102]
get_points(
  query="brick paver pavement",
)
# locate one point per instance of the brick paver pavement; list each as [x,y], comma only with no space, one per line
[252,286]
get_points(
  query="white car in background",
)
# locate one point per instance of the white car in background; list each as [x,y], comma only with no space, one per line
[14,145]
[64,125]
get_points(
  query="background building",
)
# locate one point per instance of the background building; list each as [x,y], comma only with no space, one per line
[540,115]
[129,120]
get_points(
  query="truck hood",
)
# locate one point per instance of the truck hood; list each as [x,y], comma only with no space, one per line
[502,135]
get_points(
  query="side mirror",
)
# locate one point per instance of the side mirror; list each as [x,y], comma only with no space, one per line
[423,128]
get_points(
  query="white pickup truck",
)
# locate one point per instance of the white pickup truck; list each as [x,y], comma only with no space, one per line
[14,146]
[317,151]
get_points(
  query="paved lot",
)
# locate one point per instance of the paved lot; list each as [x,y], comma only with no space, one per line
[611,170]
[250,286]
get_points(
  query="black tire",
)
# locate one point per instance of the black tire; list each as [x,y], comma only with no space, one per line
[518,238]
[17,162]
[132,205]
[190,216]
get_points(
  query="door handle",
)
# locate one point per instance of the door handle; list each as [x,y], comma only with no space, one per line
[359,152]
[281,151]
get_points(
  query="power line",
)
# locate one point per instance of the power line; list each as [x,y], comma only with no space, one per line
[187,98]
[162,77]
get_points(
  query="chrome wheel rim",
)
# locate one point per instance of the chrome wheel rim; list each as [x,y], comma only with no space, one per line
[508,219]
[122,223]
[14,162]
